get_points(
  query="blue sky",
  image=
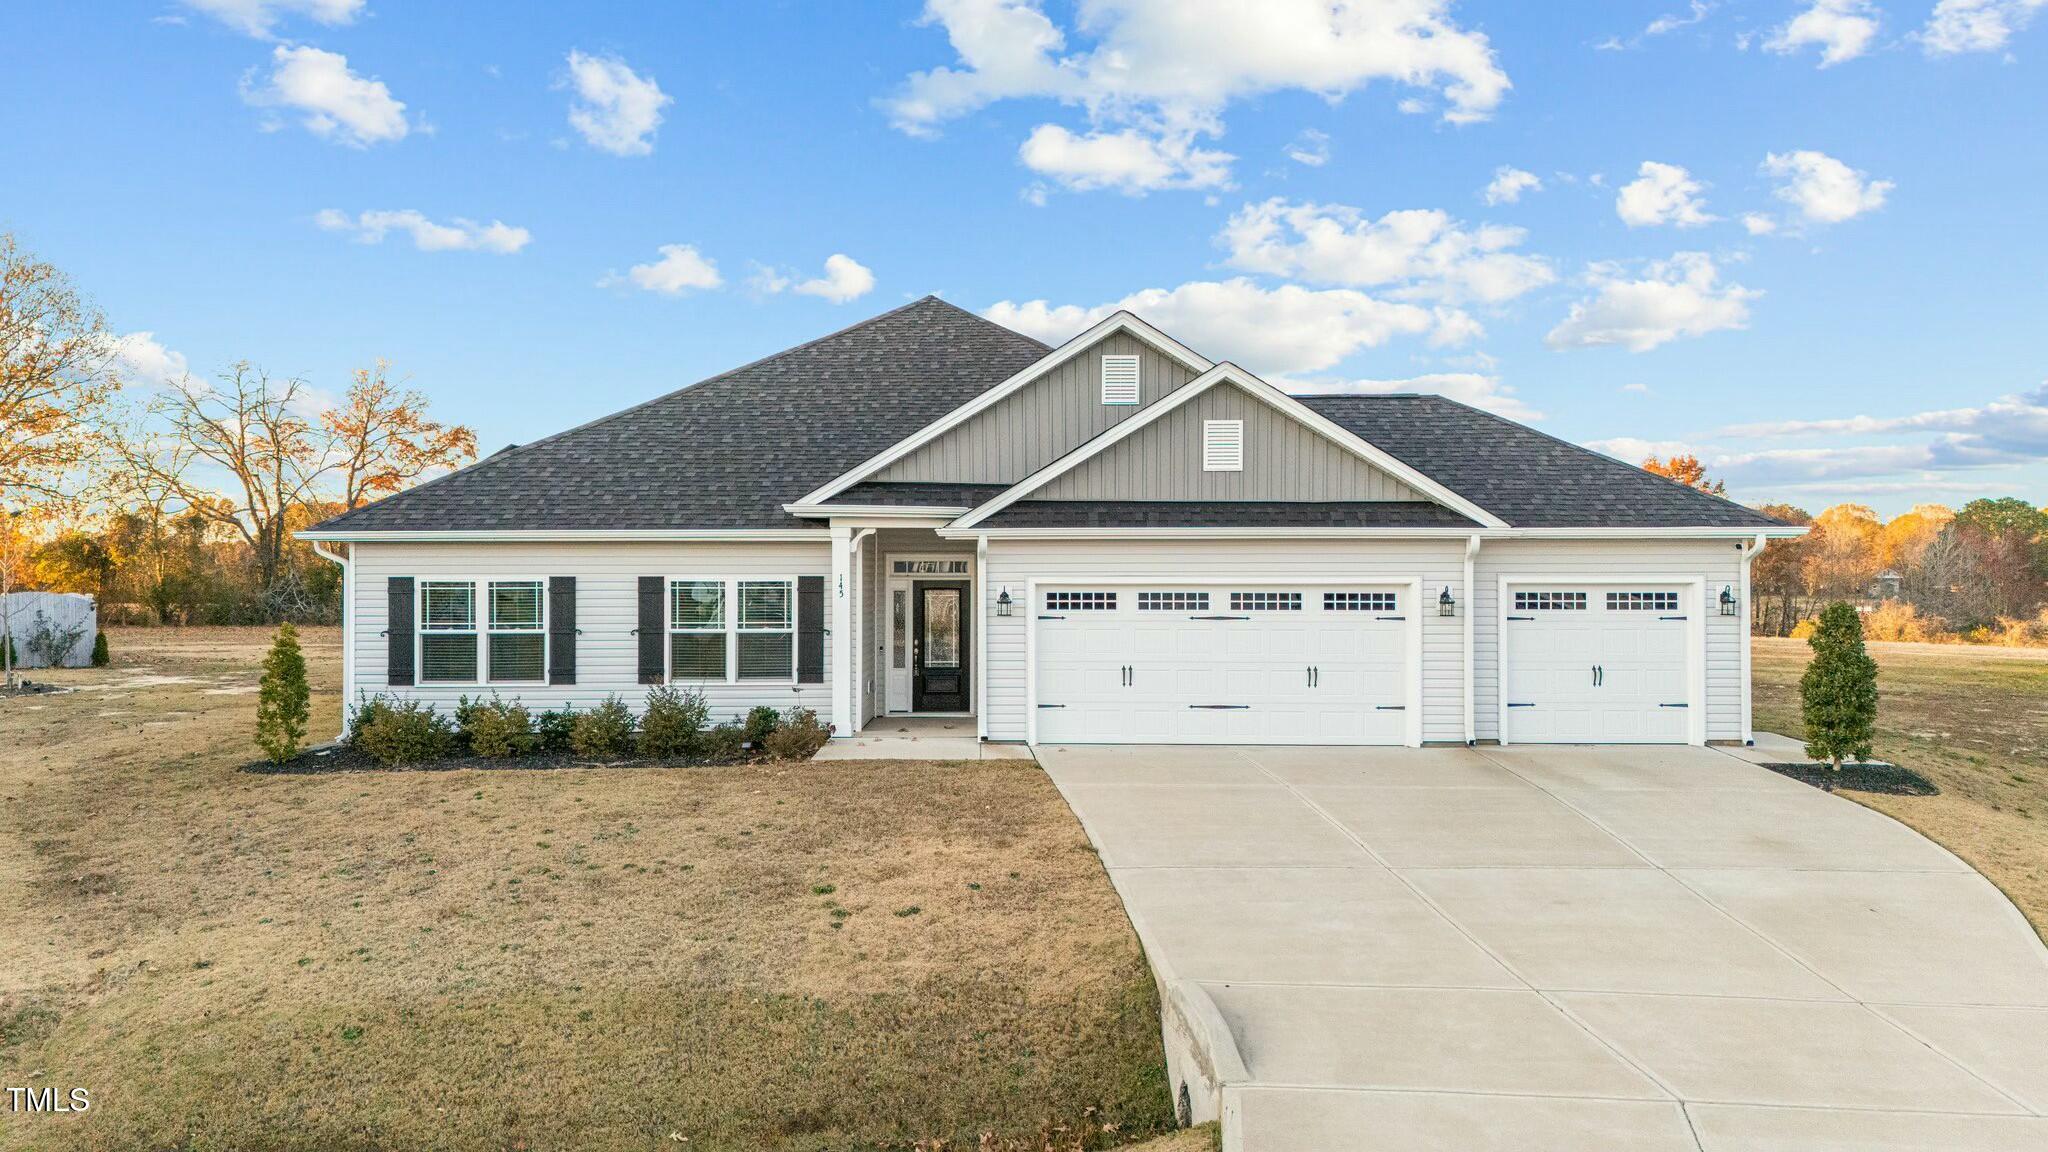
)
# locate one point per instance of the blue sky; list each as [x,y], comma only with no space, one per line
[1801,238]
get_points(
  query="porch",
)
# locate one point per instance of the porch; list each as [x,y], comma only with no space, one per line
[909,669]
[920,738]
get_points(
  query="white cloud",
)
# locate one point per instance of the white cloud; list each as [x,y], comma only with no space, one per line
[1635,450]
[1759,223]
[1508,184]
[1424,253]
[680,269]
[259,18]
[457,235]
[845,279]
[1170,67]
[1958,26]
[2010,428]
[1272,331]
[138,358]
[616,109]
[1311,148]
[766,279]
[1662,194]
[335,103]
[1480,391]
[1822,188]
[1678,297]
[1637,387]
[1697,11]
[1131,161]
[1843,30]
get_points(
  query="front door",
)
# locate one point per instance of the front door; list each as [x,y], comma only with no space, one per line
[938,664]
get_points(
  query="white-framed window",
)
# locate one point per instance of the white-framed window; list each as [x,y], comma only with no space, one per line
[1119,379]
[1642,601]
[697,638]
[1173,601]
[899,628]
[502,641]
[448,636]
[1222,445]
[767,630]
[928,567]
[1080,601]
[1265,601]
[1550,601]
[517,639]
[1358,601]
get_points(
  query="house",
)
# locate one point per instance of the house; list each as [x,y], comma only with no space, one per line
[1114,540]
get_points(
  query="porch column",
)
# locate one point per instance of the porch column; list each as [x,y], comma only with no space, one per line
[980,618]
[842,617]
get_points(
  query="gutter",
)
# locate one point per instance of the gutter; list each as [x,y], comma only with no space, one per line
[1471,673]
[348,628]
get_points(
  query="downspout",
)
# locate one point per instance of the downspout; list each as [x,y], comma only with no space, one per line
[1471,674]
[1743,638]
[348,628]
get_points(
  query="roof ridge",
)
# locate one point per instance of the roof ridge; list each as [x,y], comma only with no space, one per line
[516,450]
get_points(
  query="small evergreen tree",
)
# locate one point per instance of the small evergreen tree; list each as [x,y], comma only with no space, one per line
[1838,693]
[282,701]
[100,656]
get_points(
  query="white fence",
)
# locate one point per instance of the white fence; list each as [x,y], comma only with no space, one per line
[36,619]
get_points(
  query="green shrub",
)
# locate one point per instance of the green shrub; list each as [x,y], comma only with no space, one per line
[673,724]
[368,709]
[725,742]
[798,736]
[1838,693]
[604,732]
[555,729]
[282,698]
[100,657]
[406,732]
[761,721]
[495,728]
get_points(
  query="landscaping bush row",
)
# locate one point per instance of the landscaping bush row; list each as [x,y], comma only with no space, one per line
[676,725]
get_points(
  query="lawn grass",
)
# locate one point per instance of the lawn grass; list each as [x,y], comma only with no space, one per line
[703,958]
[1972,719]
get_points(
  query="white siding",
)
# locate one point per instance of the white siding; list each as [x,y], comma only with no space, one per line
[607,612]
[1718,562]
[1013,563]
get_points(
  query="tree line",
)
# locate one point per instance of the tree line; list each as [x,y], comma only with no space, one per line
[177,501]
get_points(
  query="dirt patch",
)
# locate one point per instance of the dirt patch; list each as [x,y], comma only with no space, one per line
[1887,779]
[707,958]
[1974,722]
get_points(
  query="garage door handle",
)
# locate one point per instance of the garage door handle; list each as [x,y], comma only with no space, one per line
[1219,617]
[1674,705]
[1511,704]
[1052,705]
[1670,617]
[1052,617]
[1214,707]
[1399,707]
[1390,617]
[1521,618]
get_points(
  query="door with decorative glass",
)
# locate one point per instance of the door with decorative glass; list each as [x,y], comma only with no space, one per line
[939,646]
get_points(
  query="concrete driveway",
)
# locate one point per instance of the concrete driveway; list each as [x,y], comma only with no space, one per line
[1567,948]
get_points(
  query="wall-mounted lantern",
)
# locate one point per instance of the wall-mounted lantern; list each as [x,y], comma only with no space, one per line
[1445,606]
[1727,600]
[1003,601]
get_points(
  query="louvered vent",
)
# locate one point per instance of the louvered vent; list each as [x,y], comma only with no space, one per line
[1222,445]
[1119,379]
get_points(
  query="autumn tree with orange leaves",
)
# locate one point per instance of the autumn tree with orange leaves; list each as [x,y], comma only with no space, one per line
[54,381]
[382,441]
[1687,470]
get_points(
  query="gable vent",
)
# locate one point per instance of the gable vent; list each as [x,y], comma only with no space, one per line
[1119,379]
[1222,445]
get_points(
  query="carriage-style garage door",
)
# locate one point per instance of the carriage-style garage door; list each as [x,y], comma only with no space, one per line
[1262,663]
[1599,664]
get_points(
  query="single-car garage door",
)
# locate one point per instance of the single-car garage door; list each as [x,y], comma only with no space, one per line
[1599,665]
[1173,663]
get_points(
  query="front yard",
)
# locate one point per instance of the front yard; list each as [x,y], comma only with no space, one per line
[832,956]
[1972,719]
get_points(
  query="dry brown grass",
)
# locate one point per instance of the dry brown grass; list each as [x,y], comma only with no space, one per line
[540,959]
[1975,721]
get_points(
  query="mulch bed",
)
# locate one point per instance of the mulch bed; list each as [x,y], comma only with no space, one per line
[1888,779]
[342,758]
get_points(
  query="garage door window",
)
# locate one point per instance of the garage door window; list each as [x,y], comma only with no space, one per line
[1642,601]
[1080,601]
[1358,601]
[1173,601]
[1265,601]
[1550,601]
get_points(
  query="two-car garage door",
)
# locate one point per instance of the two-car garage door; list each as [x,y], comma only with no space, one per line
[1170,663]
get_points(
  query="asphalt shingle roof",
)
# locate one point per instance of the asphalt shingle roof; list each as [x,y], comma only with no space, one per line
[730,451]
[1226,514]
[919,495]
[1528,478]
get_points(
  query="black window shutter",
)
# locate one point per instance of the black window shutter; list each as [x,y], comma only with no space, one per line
[652,630]
[561,629]
[398,629]
[810,629]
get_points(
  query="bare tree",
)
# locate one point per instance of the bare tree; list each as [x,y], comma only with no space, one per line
[381,441]
[54,379]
